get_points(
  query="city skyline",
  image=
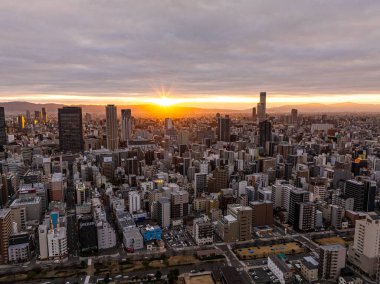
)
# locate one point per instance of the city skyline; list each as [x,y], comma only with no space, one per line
[218,54]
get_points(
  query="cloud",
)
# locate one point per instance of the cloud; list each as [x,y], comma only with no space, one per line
[105,48]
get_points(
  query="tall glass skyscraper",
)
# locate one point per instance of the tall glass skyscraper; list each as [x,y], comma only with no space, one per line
[70,129]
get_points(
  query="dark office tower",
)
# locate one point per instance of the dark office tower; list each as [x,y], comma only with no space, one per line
[3,135]
[363,194]
[37,116]
[112,135]
[265,132]
[254,114]
[44,115]
[20,122]
[369,194]
[294,116]
[224,128]
[296,196]
[28,117]
[126,124]
[70,129]
[88,240]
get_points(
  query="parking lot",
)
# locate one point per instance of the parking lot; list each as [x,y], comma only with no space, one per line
[178,237]
[262,275]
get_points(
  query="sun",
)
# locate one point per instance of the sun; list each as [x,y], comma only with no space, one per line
[165,101]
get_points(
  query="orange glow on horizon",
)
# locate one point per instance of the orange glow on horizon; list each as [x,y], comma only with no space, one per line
[166,99]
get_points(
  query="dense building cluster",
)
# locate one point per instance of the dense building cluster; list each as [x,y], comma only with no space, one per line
[76,184]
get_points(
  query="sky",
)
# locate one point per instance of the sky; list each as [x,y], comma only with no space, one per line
[194,53]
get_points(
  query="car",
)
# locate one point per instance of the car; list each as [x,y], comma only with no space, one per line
[256,277]
[193,271]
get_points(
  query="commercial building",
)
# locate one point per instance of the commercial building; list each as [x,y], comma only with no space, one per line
[126,124]
[332,258]
[203,231]
[224,128]
[132,239]
[70,129]
[112,133]
[19,248]
[243,214]
[87,232]
[3,135]
[262,213]
[5,232]
[163,212]
[365,251]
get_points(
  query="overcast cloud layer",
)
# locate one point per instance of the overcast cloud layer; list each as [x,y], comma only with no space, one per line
[193,47]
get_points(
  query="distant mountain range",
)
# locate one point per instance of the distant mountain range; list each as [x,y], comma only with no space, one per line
[180,111]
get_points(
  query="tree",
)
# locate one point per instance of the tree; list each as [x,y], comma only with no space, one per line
[173,276]
[158,275]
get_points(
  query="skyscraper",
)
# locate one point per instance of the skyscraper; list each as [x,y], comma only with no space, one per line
[112,135]
[262,106]
[21,122]
[294,116]
[265,132]
[254,115]
[70,129]
[44,115]
[223,131]
[3,135]
[126,124]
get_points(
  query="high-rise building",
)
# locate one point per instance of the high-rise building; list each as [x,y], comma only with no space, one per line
[363,194]
[200,183]
[294,116]
[265,132]
[20,122]
[88,239]
[5,232]
[296,196]
[28,117]
[223,131]
[134,201]
[254,115]
[112,135]
[262,213]
[304,216]
[44,115]
[70,129]
[3,135]
[179,205]
[243,214]
[365,251]
[163,209]
[332,258]
[262,107]
[203,231]
[126,124]
[37,116]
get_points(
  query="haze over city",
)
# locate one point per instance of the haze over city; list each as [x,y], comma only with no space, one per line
[192,53]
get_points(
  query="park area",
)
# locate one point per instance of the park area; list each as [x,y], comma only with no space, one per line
[330,241]
[254,252]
